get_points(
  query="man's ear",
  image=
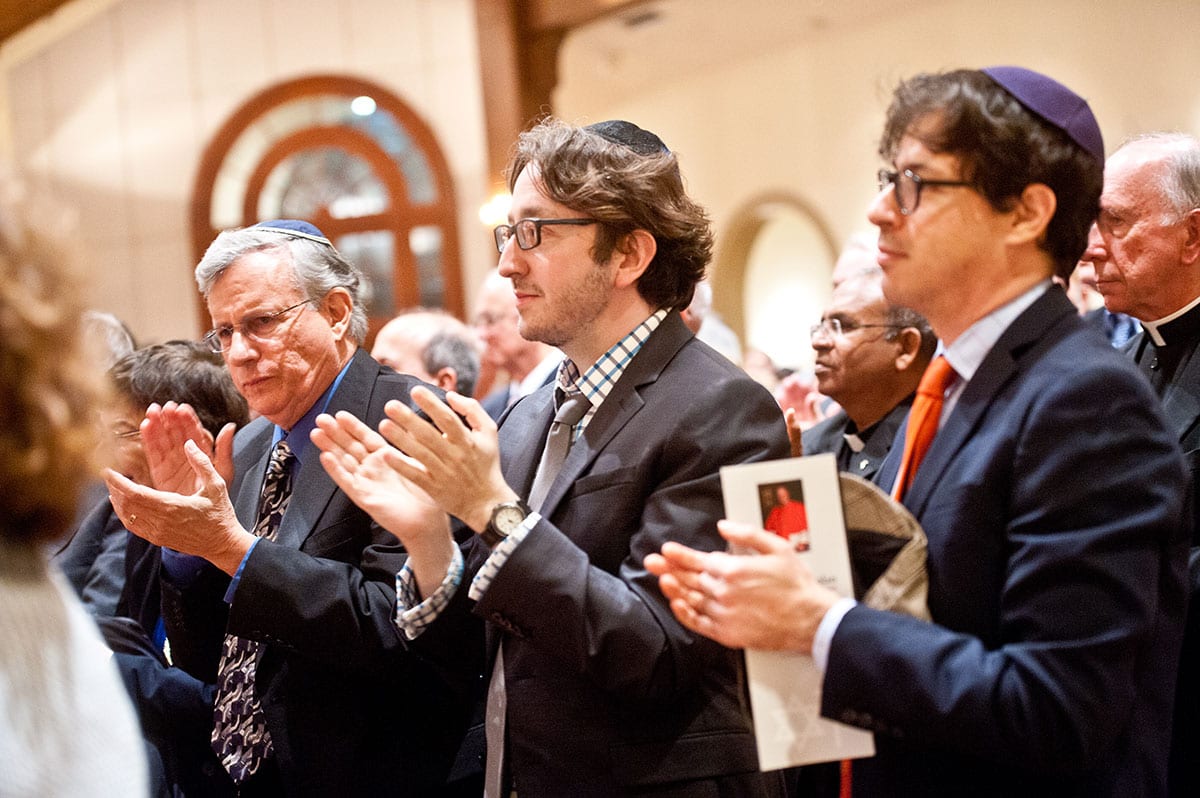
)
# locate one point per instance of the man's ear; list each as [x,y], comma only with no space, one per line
[446,378]
[909,340]
[1191,241]
[632,256]
[1032,212]
[337,307]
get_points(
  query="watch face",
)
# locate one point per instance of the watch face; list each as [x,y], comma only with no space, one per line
[508,517]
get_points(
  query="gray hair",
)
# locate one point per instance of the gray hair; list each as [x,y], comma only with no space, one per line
[107,337]
[907,317]
[1179,185]
[317,267]
[450,348]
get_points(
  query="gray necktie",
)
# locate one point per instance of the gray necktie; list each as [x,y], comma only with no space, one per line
[240,735]
[570,408]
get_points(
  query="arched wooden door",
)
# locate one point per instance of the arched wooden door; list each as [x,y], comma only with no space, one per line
[356,161]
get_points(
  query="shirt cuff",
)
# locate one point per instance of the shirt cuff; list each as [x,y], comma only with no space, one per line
[181,569]
[413,614]
[237,575]
[823,639]
[500,555]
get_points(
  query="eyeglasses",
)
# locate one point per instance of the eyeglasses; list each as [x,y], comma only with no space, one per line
[908,187]
[836,328]
[260,328]
[490,319]
[126,433]
[528,232]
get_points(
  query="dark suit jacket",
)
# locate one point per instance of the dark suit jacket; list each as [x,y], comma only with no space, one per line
[607,693]
[830,436]
[1181,405]
[349,710]
[93,559]
[496,402]
[1052,501]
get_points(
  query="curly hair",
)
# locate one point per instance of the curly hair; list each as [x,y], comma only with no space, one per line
[1004,148]
[625,190]
[48,385]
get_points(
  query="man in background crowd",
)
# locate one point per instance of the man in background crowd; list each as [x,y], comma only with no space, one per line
[528,364]
[870,356]
[1145,247]
[433,346]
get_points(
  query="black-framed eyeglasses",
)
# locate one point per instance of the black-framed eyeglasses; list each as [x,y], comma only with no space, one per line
[908,187]
[528,232]
[260,328]
[836,328]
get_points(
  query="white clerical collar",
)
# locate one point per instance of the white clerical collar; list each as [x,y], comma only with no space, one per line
[1151,327]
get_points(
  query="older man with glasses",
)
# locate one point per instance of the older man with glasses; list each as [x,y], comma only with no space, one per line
[870,355]
[279,588]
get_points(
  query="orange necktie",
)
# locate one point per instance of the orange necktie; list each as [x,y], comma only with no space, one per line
[923,421]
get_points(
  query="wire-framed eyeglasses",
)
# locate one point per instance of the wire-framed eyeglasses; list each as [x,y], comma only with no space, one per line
[528,232]
[261,328]
[836,328]
[908,187]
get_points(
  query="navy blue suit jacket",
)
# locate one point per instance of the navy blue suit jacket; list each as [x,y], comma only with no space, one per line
[1052,499]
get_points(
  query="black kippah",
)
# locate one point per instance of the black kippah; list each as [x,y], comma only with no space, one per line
[627,134]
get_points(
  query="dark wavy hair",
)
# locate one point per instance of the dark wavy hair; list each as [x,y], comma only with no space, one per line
[626,191]
[1003,148]
[181,371]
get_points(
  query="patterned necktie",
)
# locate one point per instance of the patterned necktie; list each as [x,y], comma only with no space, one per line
[240,735]
[570,408]
[923,421]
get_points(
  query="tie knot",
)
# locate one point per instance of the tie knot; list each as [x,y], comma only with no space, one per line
[281,458]
[570,407]
[937,378]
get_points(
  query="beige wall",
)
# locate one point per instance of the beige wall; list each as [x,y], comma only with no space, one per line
[802,116]
[112,101]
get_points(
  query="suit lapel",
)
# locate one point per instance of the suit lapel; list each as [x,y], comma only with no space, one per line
[312,488]
[251,466]
[621,405]
[998,368]
[523,437]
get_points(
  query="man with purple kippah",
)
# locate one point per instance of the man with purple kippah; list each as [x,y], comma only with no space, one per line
[1057,538]
[277,588]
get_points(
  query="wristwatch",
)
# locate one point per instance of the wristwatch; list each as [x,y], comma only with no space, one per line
[506,517]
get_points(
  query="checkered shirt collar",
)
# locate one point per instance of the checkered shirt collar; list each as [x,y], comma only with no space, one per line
[599,379]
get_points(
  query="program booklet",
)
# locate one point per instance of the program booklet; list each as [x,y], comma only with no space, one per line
[798,499]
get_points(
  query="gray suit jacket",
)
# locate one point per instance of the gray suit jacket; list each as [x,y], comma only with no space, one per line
[607,693]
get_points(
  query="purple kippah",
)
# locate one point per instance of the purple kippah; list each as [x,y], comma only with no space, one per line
[1054,103]
[294,227]
[627,134]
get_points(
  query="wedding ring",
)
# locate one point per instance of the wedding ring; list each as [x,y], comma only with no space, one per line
[133,519]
